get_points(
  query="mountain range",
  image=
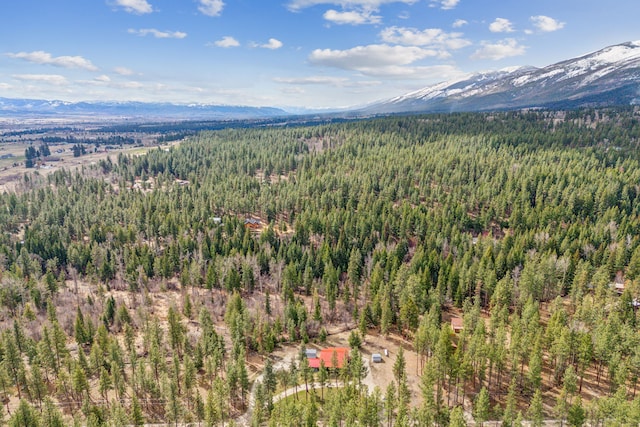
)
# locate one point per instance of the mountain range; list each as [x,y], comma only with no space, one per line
[610,76]
[36,108]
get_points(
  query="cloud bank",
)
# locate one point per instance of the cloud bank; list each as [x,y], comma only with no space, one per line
[211,7]
[352,17]
[272,44]
[501,25]
[546,24]
[135,6]
[158,34]
[45,58]
[52,79]
[432,37]
[500,50]
[227,42]
[348,4]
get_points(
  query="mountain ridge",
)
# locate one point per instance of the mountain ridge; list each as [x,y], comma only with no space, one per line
[12,107]
[610,76]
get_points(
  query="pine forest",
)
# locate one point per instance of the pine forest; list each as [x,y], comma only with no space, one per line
[496,256]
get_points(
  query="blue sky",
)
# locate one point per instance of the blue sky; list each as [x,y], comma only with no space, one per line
[286,53]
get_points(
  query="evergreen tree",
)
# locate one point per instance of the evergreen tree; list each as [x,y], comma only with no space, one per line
[105,383]
[37,386]
[481,407]
[24,416]
[510,412]
[323,377]
[137,417]
[390,403]
[576,416]
[399,367]
[456,419]
[12,362]
[51,415]
[535,412]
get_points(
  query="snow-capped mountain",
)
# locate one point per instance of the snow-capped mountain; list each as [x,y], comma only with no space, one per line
[610,76]
[147,110]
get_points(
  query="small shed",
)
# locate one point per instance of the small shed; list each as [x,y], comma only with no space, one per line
[311,353]
[457,324]
[618,287]
[376,358]
[253,223]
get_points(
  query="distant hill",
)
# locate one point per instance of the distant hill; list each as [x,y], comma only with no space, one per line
[148,110]
[610,76]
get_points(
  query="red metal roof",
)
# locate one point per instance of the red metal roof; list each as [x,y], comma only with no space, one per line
[326,355]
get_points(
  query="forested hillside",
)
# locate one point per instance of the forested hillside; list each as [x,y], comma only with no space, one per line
[136,290]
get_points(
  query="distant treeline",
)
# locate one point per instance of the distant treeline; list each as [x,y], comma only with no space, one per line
[111,140]
[186,128]
[38,130]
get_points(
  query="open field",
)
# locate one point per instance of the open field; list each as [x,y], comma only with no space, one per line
[13,170]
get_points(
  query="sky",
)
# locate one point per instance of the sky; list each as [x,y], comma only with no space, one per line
[292,54]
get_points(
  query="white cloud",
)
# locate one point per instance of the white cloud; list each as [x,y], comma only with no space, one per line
[52,79]
[326,80]
[158,34]
[432,37]
[374,60]
[449,4]
[211,7]
[546,24]
[102,81]
[5,86]
[369,56]
[352,17]
[130,85]
[428,73]
[445,4]
[501,25]
[272,44]
[293,90]
[311,80]
[500,50]
[107,82]
[123,71]
[459,23]
[348,4]
[40,57]
[227,41]
[135,6]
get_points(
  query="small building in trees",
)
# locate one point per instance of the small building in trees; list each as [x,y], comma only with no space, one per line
[376,358]
[457,324]
[252,223]
[617,286]
[339,355]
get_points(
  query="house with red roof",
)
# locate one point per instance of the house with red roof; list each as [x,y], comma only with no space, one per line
[326,355]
